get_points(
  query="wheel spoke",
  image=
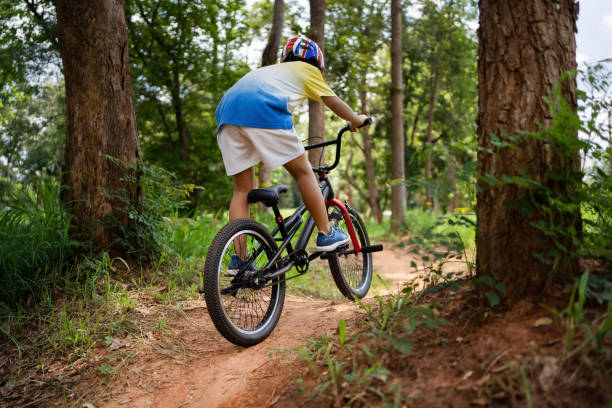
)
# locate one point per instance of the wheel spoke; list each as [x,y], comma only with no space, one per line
[247,307]
[352,271]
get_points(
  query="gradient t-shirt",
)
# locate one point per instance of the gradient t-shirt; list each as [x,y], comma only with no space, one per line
[265,97]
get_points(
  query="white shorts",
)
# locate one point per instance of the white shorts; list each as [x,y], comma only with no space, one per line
[244,147]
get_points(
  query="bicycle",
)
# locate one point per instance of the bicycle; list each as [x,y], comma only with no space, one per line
[245,302]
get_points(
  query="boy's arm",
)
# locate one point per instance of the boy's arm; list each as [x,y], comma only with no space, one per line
[340,108]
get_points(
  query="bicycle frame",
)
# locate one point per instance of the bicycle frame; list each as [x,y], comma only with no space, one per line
[297,256]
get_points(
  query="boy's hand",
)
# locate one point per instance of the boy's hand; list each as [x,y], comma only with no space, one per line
[340,108]
[360,121]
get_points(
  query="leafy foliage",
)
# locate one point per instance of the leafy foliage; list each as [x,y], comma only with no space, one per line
[561,201]
[183,58]
[34,241]
[160,196]
[32,133]
[440,53]
[353,369]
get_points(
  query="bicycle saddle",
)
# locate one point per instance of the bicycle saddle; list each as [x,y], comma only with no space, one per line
[267,195]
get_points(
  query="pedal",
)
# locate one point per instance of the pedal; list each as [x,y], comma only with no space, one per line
[372,248]
[337,251]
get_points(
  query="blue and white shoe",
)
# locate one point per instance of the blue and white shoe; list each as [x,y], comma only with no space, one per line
[331,241]
[236,263]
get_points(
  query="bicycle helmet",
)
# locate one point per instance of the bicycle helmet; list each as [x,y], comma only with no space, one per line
[303,49]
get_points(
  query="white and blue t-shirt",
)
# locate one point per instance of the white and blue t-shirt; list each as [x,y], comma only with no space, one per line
[265,97]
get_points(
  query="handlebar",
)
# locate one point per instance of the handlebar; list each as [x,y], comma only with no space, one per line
[338,141]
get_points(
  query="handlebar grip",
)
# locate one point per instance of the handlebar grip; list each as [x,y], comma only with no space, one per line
[366,122]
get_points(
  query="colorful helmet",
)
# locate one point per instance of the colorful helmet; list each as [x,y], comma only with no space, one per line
[303,49]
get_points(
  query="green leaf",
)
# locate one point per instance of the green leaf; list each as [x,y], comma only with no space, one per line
[493,298]
[402,345]
[486,280]
[341,331]
[380,372]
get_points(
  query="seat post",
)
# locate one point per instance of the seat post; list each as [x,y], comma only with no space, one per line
[281,226]
[279,220]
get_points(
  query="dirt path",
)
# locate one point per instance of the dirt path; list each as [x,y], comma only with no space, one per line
[197,367]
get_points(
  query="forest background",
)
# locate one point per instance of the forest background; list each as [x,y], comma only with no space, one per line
[183,57]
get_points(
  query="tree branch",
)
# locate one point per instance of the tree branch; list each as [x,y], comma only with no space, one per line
[42,23]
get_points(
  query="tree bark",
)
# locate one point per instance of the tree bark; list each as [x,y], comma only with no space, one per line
[524,48]
[100,116]
[269,57]
[398,188]
[373,196]
[316,113]
[270,53]
[177,105]
[433,88]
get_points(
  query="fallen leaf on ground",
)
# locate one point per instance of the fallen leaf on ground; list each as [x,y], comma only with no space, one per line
[543,321]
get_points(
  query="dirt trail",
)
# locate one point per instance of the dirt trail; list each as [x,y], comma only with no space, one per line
[202,369]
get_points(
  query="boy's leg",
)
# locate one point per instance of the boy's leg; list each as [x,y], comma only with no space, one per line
[243,183]
[239,207]
[301,170]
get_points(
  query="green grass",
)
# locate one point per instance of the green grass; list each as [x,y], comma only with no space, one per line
[354,366]
[319,283]
[429,230]
[189,238]
[34,242]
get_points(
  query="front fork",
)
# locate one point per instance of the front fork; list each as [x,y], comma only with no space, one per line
[332,202]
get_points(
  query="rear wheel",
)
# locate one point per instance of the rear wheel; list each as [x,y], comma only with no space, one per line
[351,272]
[244,313]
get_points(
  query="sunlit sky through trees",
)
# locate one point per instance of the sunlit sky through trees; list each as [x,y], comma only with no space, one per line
[594,37]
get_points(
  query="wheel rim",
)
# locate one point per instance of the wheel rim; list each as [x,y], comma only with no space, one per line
[248,310]
[355,266]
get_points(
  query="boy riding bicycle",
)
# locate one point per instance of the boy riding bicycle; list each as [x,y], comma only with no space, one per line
[254,123]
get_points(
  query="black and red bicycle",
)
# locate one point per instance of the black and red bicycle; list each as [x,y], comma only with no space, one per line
[245,298]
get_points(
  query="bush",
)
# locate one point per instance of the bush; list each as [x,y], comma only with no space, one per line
[161,196]
[34,241]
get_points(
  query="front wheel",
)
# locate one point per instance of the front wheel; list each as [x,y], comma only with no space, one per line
[351,272]
[243,312]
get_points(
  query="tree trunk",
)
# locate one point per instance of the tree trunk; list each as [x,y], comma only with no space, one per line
[373,196]
[269,57]
[524,47]
[177,105]
[433,87]
[270,53]
[454,201]
[316,114]
[100,116]
[398,188]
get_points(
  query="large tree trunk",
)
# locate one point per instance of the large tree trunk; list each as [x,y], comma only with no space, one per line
[524,48]
[100,115]
[269,57]
[398,189]
[316,114]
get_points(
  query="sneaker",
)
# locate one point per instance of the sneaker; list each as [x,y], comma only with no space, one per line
[331,241]
[235,264]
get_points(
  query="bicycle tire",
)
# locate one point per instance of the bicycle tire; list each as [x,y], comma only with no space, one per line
[248,315]
[352,273]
